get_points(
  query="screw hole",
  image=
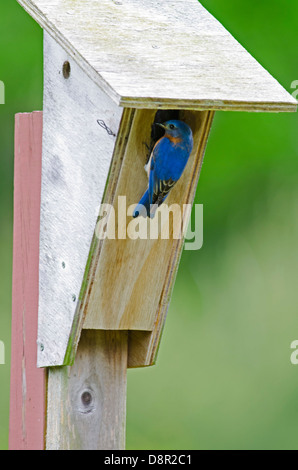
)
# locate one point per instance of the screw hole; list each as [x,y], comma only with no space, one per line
[66,69]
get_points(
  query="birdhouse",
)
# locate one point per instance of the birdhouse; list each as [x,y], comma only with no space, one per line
[111,70]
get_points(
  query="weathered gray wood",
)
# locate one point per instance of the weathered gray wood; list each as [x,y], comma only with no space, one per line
[77,154]
[149,54]
[87,402]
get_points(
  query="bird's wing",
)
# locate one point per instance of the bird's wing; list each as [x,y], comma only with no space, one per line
[161,189]
[159,184]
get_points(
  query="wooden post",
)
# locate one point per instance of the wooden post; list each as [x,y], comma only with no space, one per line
[87,402]
[27,383]
[133,293]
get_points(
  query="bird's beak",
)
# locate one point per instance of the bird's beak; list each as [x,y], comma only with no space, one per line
[160,125]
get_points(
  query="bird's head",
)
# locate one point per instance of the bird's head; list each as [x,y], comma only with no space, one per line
[177,131]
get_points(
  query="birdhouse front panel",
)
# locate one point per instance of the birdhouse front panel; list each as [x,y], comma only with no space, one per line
[130,285]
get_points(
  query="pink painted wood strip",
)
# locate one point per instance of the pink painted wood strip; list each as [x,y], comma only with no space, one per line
[28,383]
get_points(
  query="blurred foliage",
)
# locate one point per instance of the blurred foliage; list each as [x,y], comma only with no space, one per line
[223,378]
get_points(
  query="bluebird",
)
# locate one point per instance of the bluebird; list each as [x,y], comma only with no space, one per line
[166,164]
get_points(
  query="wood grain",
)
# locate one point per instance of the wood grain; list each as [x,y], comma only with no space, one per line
[152,54]
[27,383]
[87,402]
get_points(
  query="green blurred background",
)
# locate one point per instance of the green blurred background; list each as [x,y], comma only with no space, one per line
[223,379]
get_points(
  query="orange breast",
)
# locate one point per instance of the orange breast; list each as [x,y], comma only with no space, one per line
[175,140]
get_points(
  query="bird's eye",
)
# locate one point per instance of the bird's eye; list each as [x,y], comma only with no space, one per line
[171,126]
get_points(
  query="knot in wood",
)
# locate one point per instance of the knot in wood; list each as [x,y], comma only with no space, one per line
[87,401]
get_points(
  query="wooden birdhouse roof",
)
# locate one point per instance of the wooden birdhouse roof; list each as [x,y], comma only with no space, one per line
[153,54]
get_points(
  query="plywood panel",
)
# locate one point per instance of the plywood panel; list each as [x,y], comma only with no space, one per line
[149,54]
